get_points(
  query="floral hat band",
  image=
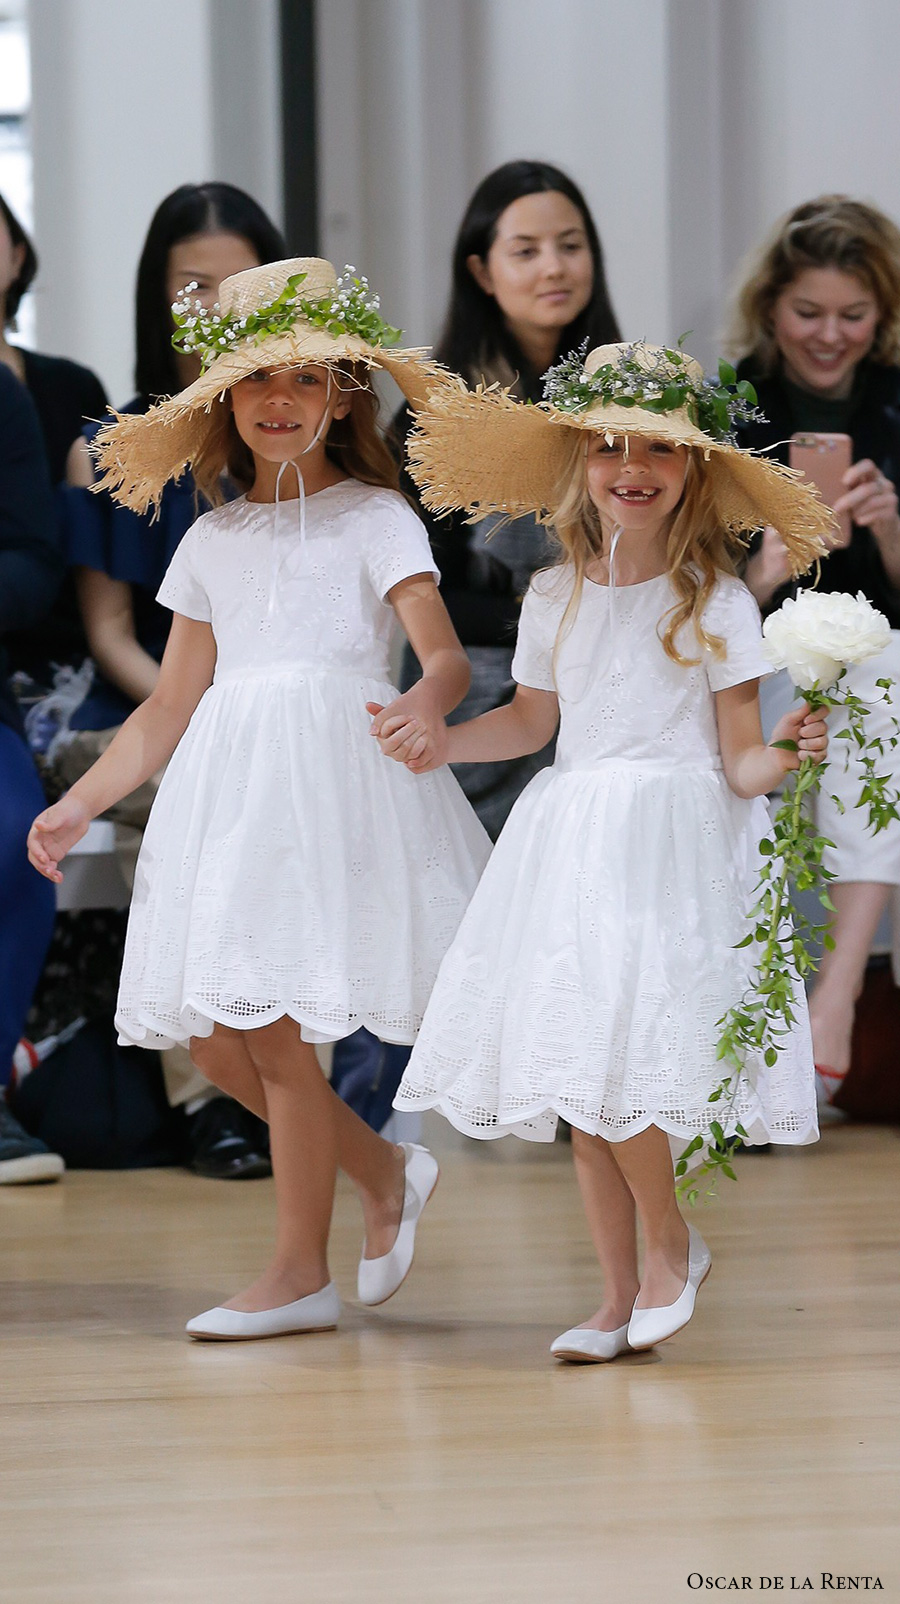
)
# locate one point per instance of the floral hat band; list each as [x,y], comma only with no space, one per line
[269,301]
[661,381]
[289,314]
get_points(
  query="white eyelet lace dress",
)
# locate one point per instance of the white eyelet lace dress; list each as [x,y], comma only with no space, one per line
[288,866]
[598,953]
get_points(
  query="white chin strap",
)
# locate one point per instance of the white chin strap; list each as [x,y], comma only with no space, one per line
[277,556]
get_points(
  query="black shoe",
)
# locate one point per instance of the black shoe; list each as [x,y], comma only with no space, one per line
[24,1158]
[227,1143]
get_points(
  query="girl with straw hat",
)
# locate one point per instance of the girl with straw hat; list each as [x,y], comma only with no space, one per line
[599,951]
[291,887]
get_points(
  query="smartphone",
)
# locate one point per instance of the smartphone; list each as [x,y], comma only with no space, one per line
[824,459]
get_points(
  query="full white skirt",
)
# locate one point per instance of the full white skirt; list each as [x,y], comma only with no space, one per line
[288,867]
[595,961]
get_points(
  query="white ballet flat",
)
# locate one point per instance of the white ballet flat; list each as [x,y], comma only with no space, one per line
[649,1326]
[583,1345]
[318,1312]
[378,1279]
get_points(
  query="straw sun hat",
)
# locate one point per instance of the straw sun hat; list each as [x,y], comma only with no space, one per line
[484,451]
[282,315]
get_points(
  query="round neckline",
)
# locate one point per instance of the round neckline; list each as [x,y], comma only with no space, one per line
[637,584]
[310,495]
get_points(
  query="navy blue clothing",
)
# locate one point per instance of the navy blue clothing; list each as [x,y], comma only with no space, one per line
[31,563]
[873,424]
[64,394]
[136,548]
[31,568]
[27,900]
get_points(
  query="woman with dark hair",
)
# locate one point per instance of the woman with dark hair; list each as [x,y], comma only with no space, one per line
[200,234]
[528,286]
[65,394]
[817,328]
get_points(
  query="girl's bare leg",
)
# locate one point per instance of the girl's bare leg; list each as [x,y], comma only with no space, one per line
[375,1167]
[304,1165]
[223,1058]
[646,1164]
[860,905]
[609,1207]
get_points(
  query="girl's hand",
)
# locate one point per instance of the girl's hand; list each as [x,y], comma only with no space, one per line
[871,500]
[808,730]
[411,731]
[54,833]
[769,568]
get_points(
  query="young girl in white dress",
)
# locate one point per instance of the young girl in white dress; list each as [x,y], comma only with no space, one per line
[291,886]
[599,952]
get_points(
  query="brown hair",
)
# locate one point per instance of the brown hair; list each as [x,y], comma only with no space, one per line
[354,443]
[698,548]
[831,231]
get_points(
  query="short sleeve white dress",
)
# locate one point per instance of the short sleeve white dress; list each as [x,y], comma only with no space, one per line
[288,867]
[599,951]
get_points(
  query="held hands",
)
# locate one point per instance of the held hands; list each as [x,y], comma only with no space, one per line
[807,730]
[871,501]
[54,833]
[412,729]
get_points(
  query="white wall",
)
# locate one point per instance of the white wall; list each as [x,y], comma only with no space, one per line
[130,99]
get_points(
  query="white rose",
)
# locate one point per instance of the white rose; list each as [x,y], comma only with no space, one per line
[815,635]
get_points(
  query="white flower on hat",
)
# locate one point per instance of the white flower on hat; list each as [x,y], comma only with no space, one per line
[815,635]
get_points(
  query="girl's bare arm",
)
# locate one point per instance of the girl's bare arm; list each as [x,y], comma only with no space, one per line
[145,742]
[751,767]
[411,725]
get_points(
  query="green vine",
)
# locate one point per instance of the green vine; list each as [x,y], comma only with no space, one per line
[792,855]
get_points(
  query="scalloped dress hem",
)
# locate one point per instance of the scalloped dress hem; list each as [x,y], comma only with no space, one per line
[539,1123]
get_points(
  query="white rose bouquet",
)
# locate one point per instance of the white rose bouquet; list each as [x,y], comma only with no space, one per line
[815,637]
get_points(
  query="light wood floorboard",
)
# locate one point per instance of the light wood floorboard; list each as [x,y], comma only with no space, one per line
[431,1450]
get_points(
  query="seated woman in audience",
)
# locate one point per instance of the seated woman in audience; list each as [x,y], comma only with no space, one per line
[200,234]
[817,326]
[30,572]
[528,285]
[65,395]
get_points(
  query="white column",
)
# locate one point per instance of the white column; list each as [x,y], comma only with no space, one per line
[392,135]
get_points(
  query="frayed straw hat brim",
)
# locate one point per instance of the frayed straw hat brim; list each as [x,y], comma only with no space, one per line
[485,452]
[138,453]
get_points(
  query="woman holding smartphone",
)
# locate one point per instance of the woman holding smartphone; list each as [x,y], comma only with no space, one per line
[817,328]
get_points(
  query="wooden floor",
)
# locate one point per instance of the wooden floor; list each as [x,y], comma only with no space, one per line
[432,1451]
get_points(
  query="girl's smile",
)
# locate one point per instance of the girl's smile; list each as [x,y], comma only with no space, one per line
[636,483]
[280,413]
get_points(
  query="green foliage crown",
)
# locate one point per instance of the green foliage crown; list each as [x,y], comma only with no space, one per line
[350,308]
[658,382]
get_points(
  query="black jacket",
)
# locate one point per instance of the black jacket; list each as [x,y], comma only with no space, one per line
[31,562]
[875,431]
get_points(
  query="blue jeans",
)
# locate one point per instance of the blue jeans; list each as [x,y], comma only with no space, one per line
[27,900]
[366,1072]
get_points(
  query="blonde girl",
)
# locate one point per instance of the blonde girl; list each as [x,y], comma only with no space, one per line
[599,952]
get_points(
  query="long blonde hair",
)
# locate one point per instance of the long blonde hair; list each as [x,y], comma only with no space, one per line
[354,443]
[698,549]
